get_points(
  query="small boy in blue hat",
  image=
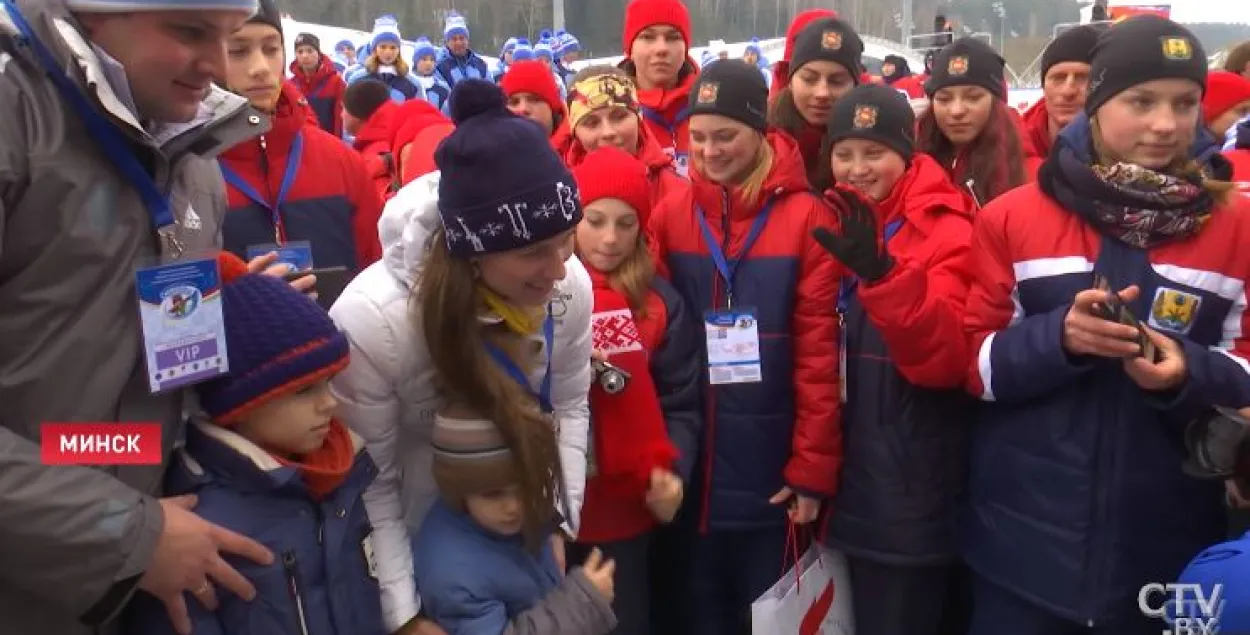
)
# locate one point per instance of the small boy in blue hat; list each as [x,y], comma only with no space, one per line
[271,462]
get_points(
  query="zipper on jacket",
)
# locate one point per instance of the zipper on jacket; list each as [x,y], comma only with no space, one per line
[970,184]
[705,520]
[264,176]
[291,565]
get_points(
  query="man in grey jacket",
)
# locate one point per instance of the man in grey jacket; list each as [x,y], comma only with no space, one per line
[76,543]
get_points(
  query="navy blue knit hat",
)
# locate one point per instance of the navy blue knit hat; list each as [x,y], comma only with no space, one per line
[502,186]
[279,341]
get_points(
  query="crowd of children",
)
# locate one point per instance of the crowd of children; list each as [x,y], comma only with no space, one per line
[590,374]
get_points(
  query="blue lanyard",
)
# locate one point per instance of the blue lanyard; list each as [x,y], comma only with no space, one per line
[850,282]
[671,126]
[288,179]
[544,388]
[728,268]
[110,140]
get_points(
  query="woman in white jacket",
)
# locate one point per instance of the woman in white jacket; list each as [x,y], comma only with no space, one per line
[485,248]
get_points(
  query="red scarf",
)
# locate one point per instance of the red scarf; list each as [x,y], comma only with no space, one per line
[629,434]
[325,468]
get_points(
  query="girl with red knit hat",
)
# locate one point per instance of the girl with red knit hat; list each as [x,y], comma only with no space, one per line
[657,47]
[646,428]
[532,93]
[604,111]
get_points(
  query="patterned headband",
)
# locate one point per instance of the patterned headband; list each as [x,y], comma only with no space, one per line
[599,92]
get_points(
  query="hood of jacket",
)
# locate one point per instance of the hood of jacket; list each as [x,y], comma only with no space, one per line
[787,176]
[407,223]
[290,116]
[377,129]
[923,194]
[410,118]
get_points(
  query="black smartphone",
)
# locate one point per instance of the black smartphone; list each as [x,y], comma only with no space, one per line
[1114,310]
[330,283]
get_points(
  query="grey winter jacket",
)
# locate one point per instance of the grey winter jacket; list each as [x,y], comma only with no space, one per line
[72,231]
[574,608]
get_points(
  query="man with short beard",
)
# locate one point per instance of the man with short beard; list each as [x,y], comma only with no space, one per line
[110,125]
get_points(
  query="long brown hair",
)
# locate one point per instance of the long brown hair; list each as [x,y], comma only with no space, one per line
[446,303]
[994,160]
[401,67]
[783,114]
[1185,167]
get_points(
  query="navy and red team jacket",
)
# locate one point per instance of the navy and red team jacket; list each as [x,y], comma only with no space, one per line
[324,90]
[906,416]
[783,430]
[331,202]
[1076,493]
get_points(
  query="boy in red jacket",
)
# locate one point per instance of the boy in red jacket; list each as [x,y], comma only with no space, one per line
[314,74]
[368,114]
[296,183]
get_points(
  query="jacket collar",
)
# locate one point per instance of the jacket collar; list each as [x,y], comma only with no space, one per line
[214,453]
[223,119]
[923,195]
[289,117]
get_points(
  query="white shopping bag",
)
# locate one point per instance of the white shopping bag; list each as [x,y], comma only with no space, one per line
[812,598]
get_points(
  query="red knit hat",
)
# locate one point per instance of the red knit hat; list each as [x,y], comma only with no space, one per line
[641,14]
[534,77]
[1224,91]
[610,172]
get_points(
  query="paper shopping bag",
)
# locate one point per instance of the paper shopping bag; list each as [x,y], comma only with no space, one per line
[812,598]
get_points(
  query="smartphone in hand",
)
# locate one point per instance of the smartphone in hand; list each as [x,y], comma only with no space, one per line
[330,283]
[1114,310]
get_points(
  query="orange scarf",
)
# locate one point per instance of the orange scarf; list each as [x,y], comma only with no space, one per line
[325,468]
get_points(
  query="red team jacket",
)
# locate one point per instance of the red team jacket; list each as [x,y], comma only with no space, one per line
[330,200]
[784,429]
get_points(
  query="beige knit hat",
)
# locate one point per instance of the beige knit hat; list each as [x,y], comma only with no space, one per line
[471,456]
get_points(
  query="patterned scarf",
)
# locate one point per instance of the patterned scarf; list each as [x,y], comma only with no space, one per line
[1135,205]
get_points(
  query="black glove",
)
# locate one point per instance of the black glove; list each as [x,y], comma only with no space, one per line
[859,247]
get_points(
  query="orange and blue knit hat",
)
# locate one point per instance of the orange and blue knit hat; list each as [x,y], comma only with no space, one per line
[279,341]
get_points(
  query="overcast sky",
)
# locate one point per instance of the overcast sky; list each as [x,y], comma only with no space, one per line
[1206,10]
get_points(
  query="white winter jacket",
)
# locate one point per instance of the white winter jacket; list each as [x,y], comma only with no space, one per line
[387,395]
